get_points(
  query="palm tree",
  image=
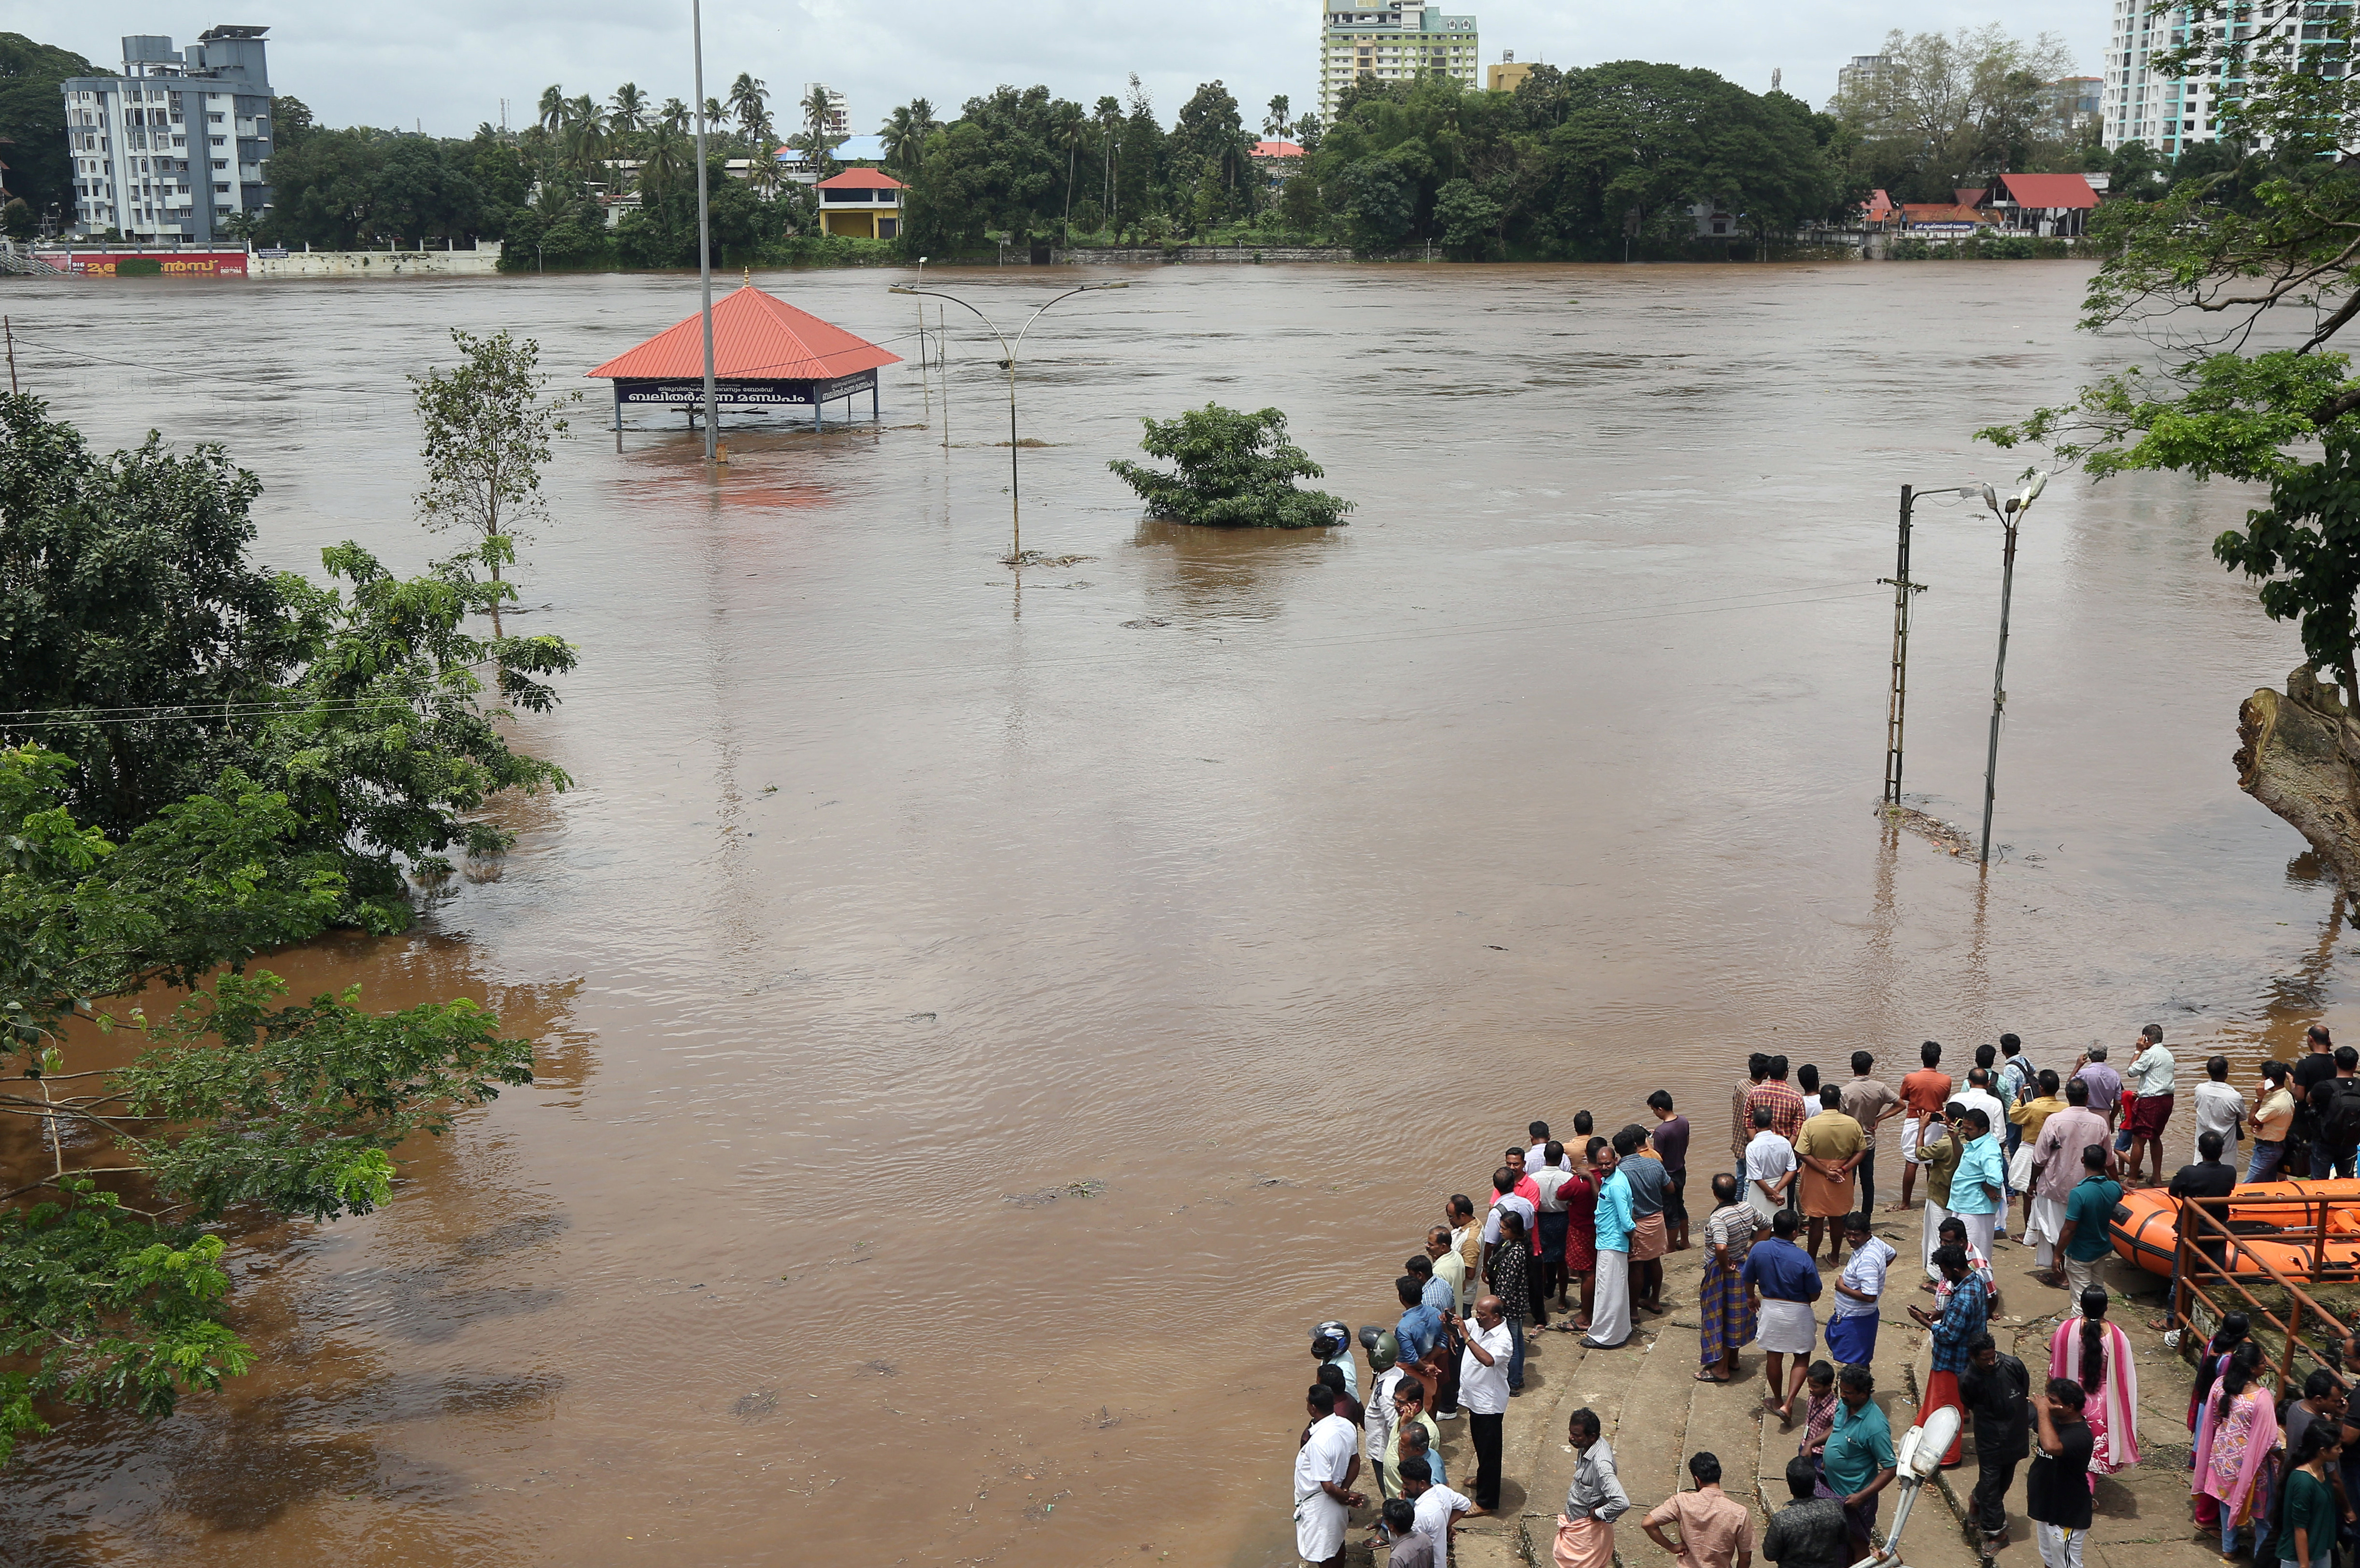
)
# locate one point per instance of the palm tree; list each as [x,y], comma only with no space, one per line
[749,101]
[629,112]
[673,115]
[1071,132]
[1273,123]
[817,143]
[667,160]
[905,132]
[553,108]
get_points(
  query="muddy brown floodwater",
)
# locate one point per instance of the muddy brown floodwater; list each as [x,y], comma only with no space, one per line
[984,1028]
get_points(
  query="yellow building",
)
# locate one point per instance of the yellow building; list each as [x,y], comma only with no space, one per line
[860,203]
[1506,76]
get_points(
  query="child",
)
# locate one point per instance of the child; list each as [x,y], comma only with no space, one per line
[2057,1492]
[1819,1412]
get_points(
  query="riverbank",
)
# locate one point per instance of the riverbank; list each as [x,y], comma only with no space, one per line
[1655,1413]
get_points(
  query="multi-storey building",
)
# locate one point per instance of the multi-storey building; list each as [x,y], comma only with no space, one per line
[173,146]
[2170,114]
[1864,79]
[1389,40]
[839,115]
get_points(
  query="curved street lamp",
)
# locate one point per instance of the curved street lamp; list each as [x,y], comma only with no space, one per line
[1007,363]
[2010,514]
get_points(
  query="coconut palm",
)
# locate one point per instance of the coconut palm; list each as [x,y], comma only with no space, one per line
[1273,123]
[905,132]
[714,116]
[628,110]
[553,108]
[668,160]
[673,115]
[749,102]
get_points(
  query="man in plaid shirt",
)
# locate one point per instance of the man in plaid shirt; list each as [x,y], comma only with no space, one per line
[1964,1317]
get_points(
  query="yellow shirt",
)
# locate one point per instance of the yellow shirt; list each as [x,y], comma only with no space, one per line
[2273,1116]
[2034,1114]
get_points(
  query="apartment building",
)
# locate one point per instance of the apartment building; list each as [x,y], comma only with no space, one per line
[2170,114]
[840,114]
[1395,39]
[172,148]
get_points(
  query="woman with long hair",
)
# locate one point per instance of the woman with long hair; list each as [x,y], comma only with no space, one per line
[2088,1350]
[2235,1440]
[2306,1512]
[1725,1307]
[1507,1273]
[2235,1327]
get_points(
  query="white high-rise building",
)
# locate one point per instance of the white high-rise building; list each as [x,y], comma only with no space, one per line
[173,148]
[839,115]
[1389,40]
[2170,114]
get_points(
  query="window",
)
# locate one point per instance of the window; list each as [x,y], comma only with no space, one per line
[221,163]
[221,141]
[220,189]
[214,117]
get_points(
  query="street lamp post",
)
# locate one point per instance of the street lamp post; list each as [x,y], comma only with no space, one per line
[2010,514]
[1007,363]
[703,222]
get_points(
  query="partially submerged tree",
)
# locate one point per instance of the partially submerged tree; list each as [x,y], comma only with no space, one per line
[2203,271]
[137,637]
[112,1293]
[488,428]
[1234,469]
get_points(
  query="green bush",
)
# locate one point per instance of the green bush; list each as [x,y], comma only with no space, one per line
[139,266]
[1235,471]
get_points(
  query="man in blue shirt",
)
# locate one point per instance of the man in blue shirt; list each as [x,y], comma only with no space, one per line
[1420,1326]
[1789,1282]
[1979,1186]
[1610,1316]
[1857,1462]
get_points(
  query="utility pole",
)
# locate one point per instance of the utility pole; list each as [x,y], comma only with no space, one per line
[9,327]
[703,224]
[1999,674]
[1897,702]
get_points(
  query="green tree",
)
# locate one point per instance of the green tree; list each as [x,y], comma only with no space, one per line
[237,1102]
[140,641]
[1470,220]
[488,425]
[324,188]
[1231,470]
[749,101]
[2208,270]
[290,122]
[626,111]
[905,132]
[1955,109]
[33,122]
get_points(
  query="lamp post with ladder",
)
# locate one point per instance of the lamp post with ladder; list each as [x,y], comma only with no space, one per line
[2010,514]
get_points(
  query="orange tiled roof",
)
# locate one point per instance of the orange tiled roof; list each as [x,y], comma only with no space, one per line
[754,338]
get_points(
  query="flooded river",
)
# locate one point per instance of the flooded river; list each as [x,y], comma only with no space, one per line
[984,1025]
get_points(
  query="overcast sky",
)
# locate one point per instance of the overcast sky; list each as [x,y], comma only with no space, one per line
[448,63]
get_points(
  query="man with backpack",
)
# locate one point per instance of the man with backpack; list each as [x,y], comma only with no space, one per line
[2335,1117]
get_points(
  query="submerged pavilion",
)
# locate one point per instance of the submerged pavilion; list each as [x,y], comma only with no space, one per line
[765,354]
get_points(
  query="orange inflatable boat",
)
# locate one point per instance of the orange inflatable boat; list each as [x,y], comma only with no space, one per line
[2146,1229]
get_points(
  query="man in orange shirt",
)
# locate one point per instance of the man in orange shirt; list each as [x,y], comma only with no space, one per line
[1923,1095]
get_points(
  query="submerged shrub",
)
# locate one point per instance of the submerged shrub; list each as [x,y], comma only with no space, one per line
[1235,469]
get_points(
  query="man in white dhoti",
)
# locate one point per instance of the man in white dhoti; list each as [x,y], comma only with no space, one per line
[1324,1468]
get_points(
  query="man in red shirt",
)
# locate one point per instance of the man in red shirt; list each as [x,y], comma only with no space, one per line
[1786,1101]
[1923,1095]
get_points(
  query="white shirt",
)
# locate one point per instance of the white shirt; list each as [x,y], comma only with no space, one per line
[1987,1103]
[2151,1071]
[1484,1389]
[1324,1455]
[1380,1414]
[1523,1206]
[1551,1181]
[1768,1157]
[1864,1272]
[1434,1507]
[2218,1109]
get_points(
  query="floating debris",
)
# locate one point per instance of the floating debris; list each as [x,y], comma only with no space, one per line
[1144,622]
[1086,1189]
[1945,837]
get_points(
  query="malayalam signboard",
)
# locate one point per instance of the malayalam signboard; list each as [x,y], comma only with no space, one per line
[1945,228]
[149,264]
[744,394]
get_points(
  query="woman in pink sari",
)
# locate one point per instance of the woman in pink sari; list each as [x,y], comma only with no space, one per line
[2235,1437]
[2092,1352]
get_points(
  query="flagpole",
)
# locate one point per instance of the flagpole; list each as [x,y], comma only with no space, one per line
[703,224]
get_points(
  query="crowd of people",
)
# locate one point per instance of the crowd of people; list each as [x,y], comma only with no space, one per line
[1576,1229]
